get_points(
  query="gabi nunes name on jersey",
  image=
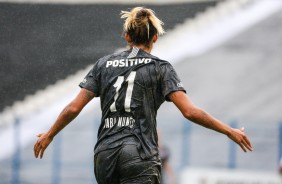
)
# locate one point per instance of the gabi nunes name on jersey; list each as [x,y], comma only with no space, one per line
[131,85]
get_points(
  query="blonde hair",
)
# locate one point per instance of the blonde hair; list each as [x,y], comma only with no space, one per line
[141,24]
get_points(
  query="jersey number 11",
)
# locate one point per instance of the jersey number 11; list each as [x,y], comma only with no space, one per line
[117,85]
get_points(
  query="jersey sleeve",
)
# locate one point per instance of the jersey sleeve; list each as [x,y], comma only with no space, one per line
[170,81]
[91,81]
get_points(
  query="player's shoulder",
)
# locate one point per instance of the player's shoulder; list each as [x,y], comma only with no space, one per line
[158,60]
[163,63]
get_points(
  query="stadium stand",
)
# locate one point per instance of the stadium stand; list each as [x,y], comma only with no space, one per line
[42,43]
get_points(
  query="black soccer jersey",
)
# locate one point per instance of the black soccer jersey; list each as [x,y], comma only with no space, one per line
[131,85]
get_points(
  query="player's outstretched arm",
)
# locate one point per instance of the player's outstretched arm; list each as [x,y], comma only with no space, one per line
[199,116]
[66,116]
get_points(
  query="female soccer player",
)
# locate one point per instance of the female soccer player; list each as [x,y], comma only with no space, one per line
[132,85]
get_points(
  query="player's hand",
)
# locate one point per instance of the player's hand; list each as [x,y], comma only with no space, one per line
[238,136]
[41,144]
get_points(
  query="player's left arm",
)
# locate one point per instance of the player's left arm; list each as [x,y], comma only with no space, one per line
[69,113]
[199,116]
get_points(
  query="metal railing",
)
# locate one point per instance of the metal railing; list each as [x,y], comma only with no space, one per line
[58,165]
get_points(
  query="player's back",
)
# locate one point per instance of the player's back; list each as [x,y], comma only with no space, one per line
[131,87]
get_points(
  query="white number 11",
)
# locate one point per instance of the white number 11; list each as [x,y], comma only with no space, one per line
[117,85]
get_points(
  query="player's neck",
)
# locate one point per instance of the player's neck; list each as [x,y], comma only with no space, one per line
[144,48]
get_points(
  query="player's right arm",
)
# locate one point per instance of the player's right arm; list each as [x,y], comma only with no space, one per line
[199,116]
[69,113]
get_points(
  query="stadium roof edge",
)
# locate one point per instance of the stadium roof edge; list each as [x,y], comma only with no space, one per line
[103,1]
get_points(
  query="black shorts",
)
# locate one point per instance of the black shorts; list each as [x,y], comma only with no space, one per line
[123,165]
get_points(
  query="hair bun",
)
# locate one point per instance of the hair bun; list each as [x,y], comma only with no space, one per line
[141,24]
[142,13]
